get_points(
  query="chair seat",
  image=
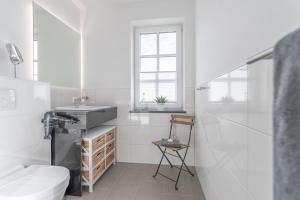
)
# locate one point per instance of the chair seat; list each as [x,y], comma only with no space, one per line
[182,146]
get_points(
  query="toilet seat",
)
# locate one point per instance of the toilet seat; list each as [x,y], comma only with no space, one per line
[36,182]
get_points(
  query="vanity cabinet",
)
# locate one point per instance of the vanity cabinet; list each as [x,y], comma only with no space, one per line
[98,153]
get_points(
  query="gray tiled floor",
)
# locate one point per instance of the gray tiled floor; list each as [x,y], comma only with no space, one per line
[126,181]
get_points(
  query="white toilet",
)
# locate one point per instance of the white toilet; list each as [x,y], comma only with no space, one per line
[37,182]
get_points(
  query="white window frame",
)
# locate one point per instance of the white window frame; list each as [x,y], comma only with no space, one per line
[179,65]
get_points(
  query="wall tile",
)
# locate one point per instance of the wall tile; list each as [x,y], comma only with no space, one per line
[21,129]
[233,141]
[260,165]
[260,96]
[62,96]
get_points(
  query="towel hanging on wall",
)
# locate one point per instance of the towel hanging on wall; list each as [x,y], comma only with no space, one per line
[287,118]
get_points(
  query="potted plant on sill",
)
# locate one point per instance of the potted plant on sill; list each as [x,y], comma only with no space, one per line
[161,101]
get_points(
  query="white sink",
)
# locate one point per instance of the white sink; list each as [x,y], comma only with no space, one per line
[81,108]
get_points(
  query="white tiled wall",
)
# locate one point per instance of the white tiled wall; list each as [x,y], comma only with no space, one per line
[21,128]
[136,131]
[63,96]
[234,139]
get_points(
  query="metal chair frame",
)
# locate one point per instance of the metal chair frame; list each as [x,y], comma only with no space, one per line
[176,119]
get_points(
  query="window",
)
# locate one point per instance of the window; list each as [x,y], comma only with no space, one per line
[158,66]
[230,87]
[35,60]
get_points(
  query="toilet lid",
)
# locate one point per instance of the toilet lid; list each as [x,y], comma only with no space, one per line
[33,182]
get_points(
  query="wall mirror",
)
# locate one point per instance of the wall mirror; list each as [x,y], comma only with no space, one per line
[56,50]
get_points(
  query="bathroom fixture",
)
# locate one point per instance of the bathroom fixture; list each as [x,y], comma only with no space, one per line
[64,132]
[82,108]
[264,55]
[54,120]
[14,55]
[68,147]
[49,124]
[34,183]
[98,143]
[77,101]
[90,116]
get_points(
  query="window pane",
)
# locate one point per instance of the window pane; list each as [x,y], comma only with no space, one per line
[35,68]
[167,64]
[35,50]
[148,64]
[167,76]
[147,76]
[148,44]
[147,92]
[168,90]
[239,90]
[239,73]
[218,91]
[167,43]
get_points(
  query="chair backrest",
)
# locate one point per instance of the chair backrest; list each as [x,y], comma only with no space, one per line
[183,120]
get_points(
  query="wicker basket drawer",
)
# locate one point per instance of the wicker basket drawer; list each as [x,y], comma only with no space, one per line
[110,158]
[98,142]
[110,147]
[97,157]
[110,136]
[96,172]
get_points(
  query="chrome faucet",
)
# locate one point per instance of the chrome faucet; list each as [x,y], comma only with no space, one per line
[77,101]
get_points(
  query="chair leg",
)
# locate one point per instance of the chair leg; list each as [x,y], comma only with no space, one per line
[176,187]
[188,169]
[164,155]
[183,160]
[180,169]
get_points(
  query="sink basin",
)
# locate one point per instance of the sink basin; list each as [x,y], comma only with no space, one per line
[90,116]
[81,108]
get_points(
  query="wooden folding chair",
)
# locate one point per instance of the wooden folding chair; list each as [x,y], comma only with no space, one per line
[182,120]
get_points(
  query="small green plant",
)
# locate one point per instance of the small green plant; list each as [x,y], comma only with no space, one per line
[161,100]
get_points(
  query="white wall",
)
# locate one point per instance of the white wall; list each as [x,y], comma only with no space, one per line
[21,131]
[63,96]
[228,32]
[16,26]
[234,139]
[107,72]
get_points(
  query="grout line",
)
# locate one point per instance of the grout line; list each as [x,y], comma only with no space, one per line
[243,125]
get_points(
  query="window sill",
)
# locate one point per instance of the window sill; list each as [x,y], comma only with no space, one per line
[167,110]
